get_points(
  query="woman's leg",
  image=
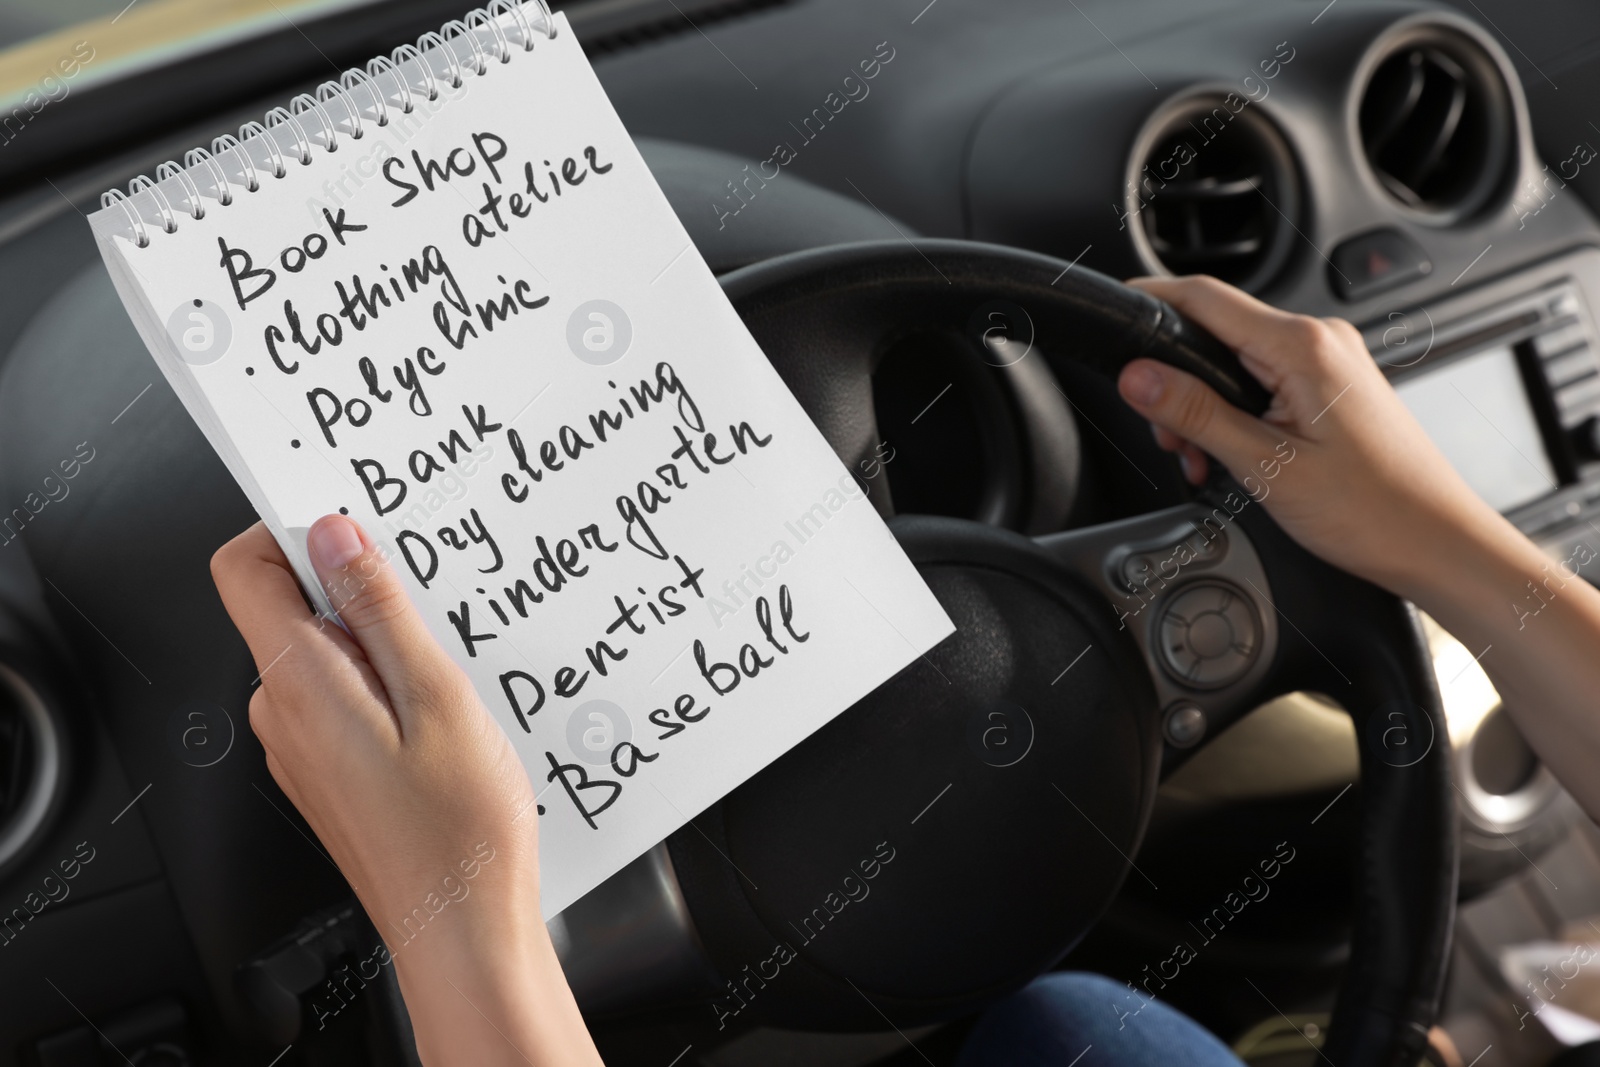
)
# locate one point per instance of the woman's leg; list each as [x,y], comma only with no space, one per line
[1085,1020]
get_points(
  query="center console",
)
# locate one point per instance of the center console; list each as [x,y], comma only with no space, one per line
[1505,378]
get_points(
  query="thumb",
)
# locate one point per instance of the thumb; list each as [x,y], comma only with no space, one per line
[1181,403]
[368,597]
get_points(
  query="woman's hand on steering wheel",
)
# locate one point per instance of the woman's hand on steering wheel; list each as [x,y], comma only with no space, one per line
[1369,492]
[1337,459]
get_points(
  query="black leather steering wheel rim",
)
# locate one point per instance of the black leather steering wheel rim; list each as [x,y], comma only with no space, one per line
[823,317]
[1114,324]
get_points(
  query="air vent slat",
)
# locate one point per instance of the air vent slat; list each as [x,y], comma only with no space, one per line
[1446,129]
[1178,254]
[1390,123]
[1213,188]
[1401,191]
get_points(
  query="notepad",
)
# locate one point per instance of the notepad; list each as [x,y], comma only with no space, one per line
[444,296]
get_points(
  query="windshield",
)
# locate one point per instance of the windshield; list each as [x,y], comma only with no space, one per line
[23,20]
[45,45]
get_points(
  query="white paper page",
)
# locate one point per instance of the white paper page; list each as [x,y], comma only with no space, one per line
[765,520]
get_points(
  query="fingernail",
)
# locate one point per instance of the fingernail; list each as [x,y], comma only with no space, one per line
[1141,384]
[334,542]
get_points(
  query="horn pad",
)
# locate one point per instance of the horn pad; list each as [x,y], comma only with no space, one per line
[991,791]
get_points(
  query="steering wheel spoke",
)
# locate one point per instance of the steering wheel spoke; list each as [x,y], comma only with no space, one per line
[1187,584]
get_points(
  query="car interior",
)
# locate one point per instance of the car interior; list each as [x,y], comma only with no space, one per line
[905,200]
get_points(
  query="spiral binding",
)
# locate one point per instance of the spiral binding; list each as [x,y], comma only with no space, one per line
[484,35]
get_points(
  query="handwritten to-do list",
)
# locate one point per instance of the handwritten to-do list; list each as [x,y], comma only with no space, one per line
[484,335]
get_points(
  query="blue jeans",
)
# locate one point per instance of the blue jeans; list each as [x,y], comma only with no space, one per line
[1085,1020]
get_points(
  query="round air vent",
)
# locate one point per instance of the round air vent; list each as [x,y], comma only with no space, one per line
[1435,122]
[1212,189]
[31,751]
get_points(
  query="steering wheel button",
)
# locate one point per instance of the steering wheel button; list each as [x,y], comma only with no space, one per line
[1185,725]
[1206,547]
[1136,569]
[1208,635]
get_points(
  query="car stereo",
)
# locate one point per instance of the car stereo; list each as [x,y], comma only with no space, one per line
[1511,395]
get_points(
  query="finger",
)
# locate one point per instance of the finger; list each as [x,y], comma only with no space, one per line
[1238,319]
[1185,406]
[1194,463]
[1190,459]
[1306,363]
[1166,440]
[368,596]
[261,596]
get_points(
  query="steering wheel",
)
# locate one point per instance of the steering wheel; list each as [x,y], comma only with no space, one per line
[1102,655]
